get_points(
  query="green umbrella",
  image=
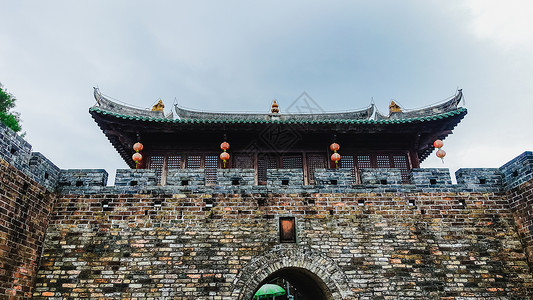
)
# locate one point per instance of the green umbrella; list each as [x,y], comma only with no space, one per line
[269,290]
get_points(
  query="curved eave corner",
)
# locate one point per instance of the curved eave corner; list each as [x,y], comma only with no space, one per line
[115,143]
[424,153]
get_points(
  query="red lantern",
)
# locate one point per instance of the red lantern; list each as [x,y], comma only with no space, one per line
[137,157]
[440,153]
[224,146]
[438,144]
[137,147]
[224,156]
[334,147]
[336,157]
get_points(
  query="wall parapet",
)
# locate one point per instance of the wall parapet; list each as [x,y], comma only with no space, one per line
[518,171]
[382,176]
[282,181]
[431,177]
[44,171]
[17,152]
[479,178]
[82,181]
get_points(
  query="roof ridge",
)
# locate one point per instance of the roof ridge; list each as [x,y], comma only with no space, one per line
[458,111]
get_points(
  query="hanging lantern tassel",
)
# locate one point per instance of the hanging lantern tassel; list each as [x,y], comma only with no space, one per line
[335,156]
[137,157]
[440,153]
[224,155]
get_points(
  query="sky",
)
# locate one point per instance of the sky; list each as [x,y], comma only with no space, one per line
[240,55]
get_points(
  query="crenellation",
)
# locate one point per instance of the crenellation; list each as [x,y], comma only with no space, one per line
[44,171]
[14,149]
[285,179]
[84,181]
[334,179]
[383,176]
[430,177]
[91,181]
[17,152]
[190,179]
[518,171]
[235,177]
[236,181]
[480,179]
[135,179]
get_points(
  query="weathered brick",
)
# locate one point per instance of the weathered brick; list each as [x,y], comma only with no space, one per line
[379,240]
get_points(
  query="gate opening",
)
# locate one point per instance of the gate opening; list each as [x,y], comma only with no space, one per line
[299,283]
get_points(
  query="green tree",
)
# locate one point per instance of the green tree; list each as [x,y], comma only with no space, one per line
[7,117]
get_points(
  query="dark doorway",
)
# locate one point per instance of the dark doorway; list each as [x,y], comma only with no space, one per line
[300,283]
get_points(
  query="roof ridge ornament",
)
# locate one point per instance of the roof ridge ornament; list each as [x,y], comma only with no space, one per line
[275,108]
[158,106]
[97,95]
[393,107]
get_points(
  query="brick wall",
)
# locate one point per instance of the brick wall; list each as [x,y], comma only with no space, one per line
[221,246]
[24,213]
[381,239]
[521,201]
[518,178]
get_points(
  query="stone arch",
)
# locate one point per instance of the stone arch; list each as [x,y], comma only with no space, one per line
[302,261]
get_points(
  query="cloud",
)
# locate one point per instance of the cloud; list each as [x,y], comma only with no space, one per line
[507,23]
[238,56]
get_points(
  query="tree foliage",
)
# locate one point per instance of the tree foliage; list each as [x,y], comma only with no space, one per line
[7,117]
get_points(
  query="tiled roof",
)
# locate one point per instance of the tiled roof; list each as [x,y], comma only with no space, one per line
[452,113]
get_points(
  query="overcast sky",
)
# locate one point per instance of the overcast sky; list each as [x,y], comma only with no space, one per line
[240,55]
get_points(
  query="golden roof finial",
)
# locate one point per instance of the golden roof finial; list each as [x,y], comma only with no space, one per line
[393,107]
[275,108]
[158,106]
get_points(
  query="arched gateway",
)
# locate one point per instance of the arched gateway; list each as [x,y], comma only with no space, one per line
[308,270]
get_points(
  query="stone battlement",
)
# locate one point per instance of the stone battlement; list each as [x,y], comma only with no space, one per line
[289,181]
[16,151]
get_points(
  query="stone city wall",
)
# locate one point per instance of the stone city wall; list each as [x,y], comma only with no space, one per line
[429,239]
[205,246]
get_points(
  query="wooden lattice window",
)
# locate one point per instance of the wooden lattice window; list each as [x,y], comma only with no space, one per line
[315,161]
[263,164]
[243,161]
[211,166]
[363,161]
[174,162]
[272,163]
[194,162]
[262,170]
[156,163]
[400,162]
[348,161]
[292,162]
[383,161]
